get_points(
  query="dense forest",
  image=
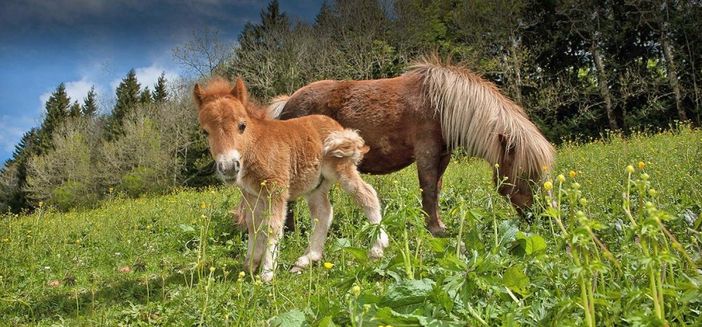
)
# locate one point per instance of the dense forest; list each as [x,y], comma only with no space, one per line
[579,68]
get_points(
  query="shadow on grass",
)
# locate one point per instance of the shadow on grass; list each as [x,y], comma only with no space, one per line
[80,300]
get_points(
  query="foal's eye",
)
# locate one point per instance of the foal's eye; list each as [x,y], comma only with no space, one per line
[242,127]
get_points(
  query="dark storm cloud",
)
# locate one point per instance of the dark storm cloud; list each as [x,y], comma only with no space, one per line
[165,21]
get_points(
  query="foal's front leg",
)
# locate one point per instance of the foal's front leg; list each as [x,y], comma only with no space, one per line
[272,234]
[322,213]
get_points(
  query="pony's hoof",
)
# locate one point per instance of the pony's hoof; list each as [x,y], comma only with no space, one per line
[297,270]
[375,253]
[437,231]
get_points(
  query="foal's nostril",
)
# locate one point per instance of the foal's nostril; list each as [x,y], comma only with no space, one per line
[237,165]
[221,167]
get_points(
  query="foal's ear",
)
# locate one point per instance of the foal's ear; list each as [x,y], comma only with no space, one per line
[197,94]
[239,91]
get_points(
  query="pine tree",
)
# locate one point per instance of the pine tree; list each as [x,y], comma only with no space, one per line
[13,175]
[75,110]
[127,99]
[57,110]
[145,96]
[89,108]
[160,93]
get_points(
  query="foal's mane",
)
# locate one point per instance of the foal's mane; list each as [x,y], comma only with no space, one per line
[218,87]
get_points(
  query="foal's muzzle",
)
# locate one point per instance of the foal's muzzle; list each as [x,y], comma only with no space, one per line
[228,169]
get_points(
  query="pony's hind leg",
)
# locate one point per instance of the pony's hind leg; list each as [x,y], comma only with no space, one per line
[322,214]
[366,197]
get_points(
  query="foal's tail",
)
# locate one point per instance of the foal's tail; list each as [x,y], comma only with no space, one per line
[475,116]
[345,143]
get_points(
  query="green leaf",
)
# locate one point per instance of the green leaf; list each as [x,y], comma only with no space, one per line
[187,228]
[357,253]
[326,322]
[407,293]
[292,318]
[515,279]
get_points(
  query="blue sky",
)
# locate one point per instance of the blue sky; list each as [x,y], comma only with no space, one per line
[95,42]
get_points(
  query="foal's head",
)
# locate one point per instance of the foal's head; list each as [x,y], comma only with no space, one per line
[224,115]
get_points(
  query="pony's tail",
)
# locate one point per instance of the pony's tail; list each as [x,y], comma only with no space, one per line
[275,108]
[478,118]
[345,144]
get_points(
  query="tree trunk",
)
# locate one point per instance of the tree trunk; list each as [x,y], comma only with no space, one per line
[516,69]
[672,74]
[604,86]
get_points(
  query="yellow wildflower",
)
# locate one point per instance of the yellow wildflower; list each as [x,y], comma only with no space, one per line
[629,169]
[356,290]
[561,178]
[548,186]
[328,265]
[572,174]
[642,165]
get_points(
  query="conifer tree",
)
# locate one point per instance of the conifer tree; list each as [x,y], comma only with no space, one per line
[57,110]
[145,96]
[160,93]
[89,108]
[75,110]
[127,99]
[13,175]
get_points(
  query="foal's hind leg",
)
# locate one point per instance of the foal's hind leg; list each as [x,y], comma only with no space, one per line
[367,198]
[432,160]
[322,214]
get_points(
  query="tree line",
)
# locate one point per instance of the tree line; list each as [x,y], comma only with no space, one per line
[579,68]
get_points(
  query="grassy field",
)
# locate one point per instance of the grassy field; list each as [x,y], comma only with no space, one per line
[609,245]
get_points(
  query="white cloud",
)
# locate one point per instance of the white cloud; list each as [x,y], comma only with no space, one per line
[148,76]
[76,90]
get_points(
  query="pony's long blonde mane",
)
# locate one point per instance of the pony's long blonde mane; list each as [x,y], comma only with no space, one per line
[473,113]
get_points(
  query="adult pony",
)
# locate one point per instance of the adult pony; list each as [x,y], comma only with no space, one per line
[422,116]
[274,161]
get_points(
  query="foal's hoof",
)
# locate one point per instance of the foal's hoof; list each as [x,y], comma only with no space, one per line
[297,270]
[437,230]
[266,276]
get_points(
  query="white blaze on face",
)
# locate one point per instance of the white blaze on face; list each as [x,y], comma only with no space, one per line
[228,161]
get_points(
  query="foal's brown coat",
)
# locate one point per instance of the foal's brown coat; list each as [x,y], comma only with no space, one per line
[274,161]
[422,116]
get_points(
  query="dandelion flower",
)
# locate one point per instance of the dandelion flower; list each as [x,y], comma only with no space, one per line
[548,186]
[583,202]
[497,166]
[644,176]
[629,169]
[328,265]
[572,174]
[212,269]
[242,274]
[642,165]
[575,186]
[203,205]
[561,178]
[652,192]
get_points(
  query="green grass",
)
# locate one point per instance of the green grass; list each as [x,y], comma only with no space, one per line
[176,259]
